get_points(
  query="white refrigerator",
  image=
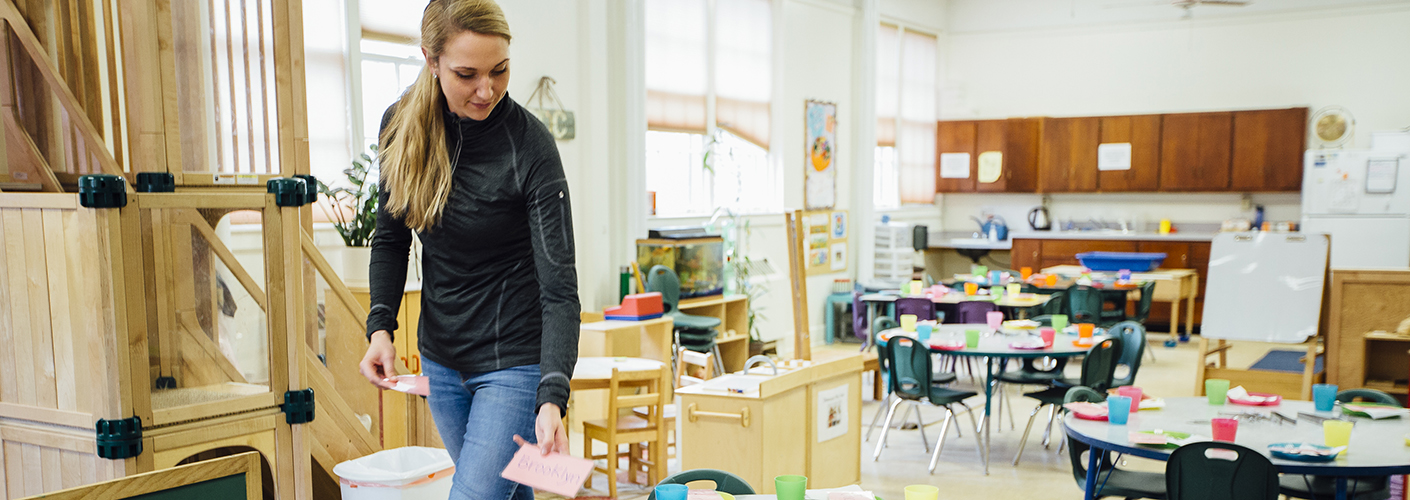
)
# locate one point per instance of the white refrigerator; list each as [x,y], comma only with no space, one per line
[1362,199]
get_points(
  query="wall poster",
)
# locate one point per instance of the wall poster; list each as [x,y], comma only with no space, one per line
[832,413]
[820,170]
[825,241]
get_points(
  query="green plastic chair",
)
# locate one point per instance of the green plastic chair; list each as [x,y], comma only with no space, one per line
[1193,474]
[1115,482]
[724,481]
[911,373]
[1084,304]
[1365,488]
[663,279]
[883,356]
[1098,369]
[1143,307]
[1133,346]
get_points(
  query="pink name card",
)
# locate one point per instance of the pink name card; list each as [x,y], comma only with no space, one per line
[556,473]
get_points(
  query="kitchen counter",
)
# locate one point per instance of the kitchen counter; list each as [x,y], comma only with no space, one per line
[1113,235]
[965,240]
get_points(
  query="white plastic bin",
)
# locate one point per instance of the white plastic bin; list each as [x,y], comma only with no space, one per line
[399,473]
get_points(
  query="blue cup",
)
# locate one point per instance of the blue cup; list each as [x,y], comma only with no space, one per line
[1324,396]
[672,492]
[923,333]
[1118,409]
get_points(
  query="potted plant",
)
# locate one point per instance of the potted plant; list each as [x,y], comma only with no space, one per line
[354,214]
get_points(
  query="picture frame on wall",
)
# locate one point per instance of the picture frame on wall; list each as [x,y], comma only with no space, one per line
[820,155]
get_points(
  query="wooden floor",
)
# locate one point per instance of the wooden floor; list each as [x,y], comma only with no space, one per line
[905,462]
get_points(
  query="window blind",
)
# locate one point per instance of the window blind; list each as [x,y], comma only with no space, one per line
[743,68]
[676,73]
[915,138]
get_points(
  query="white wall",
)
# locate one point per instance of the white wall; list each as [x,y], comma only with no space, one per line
[1035,58]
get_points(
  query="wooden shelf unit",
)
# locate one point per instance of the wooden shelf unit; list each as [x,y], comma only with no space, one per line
[1365,306]
[733,311]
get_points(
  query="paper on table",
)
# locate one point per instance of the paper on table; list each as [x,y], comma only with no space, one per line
[1242,394]
[703,495]
[1376,412]
[954,165]
[556,472]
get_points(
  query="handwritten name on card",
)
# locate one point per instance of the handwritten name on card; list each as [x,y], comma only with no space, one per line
[556,472]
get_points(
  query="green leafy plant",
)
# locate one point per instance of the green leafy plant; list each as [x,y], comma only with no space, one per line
[739,267]
[355,205]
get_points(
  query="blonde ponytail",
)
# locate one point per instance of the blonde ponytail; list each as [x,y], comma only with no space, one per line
[416,168]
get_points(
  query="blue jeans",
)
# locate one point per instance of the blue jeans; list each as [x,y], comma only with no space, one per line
[478,415]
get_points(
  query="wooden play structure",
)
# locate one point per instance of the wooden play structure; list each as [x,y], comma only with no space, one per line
[138,141]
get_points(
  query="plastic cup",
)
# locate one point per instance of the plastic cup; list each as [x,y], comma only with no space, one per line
[917,287]
[1047,334]
[1224,429]
[1025,272]
[1336,433]
[1015,289]
[921,492]
[981,271]
[672,492]
[1134,393]
[923,332]
[1084,330]
[1324,396]
[971,338]
[790,487]
[908,322]
[993,277]
[1118,409]
[1216,389]
[995,319]
[971,288]
[1059,322]
[997,292]
[1051,280]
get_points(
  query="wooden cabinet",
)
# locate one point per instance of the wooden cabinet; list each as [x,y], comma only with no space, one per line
[1195,151]
[1177,253]
[1067,160]
[1143,133]
[1026,253]
[955,137]
[1268,147]
[1015,139]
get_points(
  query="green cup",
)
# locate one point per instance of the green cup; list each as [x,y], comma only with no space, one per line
[790,487]
[997,292]
[1059,322]
[971,338]
[1216,389]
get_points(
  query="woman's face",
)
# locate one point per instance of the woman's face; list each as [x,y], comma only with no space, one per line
[474,72]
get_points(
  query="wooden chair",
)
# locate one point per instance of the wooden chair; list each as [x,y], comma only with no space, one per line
[685,358]
[637,388]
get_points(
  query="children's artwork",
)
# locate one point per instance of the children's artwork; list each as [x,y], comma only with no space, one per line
[839,225]
[820,172]
[832,413]
[555,472]
[825,240]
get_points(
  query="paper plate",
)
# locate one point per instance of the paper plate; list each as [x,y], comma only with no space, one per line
[1298,456]
[1085,416]
[948,347]
[1087,411]
[1167,445]
[1273,402]
[1027,346]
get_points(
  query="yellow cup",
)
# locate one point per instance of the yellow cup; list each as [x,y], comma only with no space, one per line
[922,492]
[917,287]
[908,322]
[1164,226]
[1337,433]
[1014,289]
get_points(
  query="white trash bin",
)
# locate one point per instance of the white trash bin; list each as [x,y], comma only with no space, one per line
[395,474]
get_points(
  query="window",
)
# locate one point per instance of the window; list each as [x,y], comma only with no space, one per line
[388,68]
[709,80]
[906,112]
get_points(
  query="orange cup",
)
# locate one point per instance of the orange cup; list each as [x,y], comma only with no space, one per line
[1052,280]
[1084,330]
[1025,272]
[971,288]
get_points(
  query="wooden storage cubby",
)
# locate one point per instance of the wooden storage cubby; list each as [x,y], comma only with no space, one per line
[1363,350]
[733,311]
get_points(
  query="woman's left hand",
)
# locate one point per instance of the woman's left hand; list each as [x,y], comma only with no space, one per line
[551,435]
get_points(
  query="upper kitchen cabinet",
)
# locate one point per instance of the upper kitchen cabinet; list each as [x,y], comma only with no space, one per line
[1068,155]
[952,139]
[1268,146]
[1022,140]
[1143,134]
[1195,151]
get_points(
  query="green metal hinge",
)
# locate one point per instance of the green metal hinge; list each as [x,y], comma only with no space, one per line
[119,439]
[298,406]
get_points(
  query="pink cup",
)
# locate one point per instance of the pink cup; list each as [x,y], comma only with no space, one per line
[1134,393]
[995,319]
[1225,429]
[1048,334]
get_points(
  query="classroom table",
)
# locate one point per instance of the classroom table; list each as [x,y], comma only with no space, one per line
[1377,447]
[596,372]
[874,301]
[1174,285]
[997,350]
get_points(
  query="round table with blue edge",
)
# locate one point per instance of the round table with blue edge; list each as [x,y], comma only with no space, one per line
[1377,446]
[997,349]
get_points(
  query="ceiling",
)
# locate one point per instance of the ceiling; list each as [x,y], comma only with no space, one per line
[1003,15]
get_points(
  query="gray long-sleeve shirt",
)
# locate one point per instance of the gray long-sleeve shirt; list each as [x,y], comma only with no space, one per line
[499,285]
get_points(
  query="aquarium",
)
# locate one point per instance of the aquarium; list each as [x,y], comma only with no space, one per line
[698,262]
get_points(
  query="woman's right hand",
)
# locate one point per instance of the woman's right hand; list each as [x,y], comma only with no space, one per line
[377,365]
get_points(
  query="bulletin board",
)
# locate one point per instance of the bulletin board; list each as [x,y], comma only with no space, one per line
[820,146]
[825,241]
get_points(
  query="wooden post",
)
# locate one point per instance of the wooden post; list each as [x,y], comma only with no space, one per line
[798,279]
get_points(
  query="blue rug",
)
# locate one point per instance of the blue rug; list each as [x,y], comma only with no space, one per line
[1285,361]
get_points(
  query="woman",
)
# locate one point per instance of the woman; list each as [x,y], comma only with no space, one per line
[480,181]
